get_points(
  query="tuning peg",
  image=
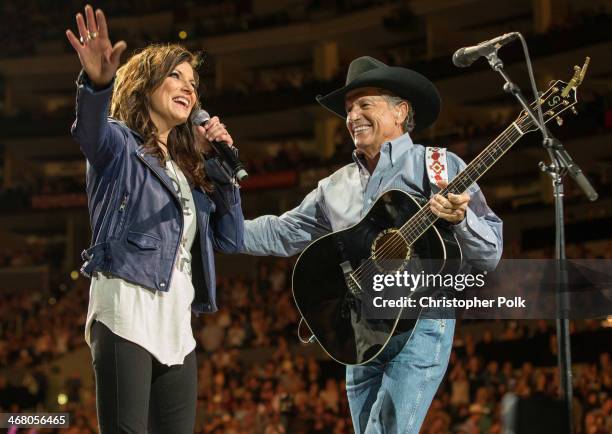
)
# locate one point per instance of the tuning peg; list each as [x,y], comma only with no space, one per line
[574,111]
[559,120]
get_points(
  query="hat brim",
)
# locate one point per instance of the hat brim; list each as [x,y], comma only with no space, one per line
[403,82]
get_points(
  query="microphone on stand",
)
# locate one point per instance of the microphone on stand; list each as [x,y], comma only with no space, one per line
[465,56]
[227,154]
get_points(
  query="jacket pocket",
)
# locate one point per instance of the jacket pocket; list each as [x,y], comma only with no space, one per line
[144,241]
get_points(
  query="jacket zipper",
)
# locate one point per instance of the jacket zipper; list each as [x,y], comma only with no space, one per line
[122,207]
[180,205]
[123,203]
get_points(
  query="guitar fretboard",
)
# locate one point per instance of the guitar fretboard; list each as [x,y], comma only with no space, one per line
[424,218]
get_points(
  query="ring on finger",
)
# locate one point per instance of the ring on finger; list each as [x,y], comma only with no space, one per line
[89,37]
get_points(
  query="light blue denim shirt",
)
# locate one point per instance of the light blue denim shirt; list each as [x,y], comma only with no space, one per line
[343,199]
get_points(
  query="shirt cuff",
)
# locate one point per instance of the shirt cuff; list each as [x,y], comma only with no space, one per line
[462,225]
[471,225]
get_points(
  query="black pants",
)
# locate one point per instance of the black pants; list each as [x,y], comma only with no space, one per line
[134,390]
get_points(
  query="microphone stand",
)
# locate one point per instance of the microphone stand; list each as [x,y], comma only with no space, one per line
[561,163]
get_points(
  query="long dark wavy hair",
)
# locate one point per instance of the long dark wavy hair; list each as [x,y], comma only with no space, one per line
[143,73]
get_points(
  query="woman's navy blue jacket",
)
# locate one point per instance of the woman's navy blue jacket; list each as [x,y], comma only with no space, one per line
[135,213]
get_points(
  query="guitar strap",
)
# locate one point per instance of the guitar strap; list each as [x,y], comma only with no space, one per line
[436,166]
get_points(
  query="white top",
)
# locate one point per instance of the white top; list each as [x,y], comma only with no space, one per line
[158,321]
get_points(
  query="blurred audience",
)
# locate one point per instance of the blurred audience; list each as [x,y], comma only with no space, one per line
[255,378]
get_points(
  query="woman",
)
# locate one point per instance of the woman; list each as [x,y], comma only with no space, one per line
[158,205]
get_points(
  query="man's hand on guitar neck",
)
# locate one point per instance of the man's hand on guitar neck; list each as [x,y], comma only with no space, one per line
[451,208]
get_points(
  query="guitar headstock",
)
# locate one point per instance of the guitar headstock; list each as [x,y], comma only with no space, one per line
[559,97]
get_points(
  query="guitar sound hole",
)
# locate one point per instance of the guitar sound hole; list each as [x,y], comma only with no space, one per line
[390,250]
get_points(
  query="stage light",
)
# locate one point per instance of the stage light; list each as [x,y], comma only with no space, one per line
[74,275]
[182,34]
[62,399]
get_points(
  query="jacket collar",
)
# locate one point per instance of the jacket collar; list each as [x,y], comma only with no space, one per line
[149,160]
[153,163]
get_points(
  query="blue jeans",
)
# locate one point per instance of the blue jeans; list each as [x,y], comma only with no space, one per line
[392,393]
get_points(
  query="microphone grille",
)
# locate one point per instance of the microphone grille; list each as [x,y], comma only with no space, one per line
[200,117]
[459,58]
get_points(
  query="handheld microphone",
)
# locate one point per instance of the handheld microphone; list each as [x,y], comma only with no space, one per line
[467,55]
[227,154]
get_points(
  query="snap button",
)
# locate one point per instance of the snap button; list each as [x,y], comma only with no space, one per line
[162,284]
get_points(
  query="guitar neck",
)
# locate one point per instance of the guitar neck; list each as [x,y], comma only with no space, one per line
[423,219]
[484,161]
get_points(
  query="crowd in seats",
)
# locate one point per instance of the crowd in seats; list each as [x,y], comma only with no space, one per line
[15,198]
[264,81]
[470,400]
[34,253]
[283,79]
[25,27]
[24,251]
[36,328]
[254,377]
[466,138]
[287,156]
[225,16]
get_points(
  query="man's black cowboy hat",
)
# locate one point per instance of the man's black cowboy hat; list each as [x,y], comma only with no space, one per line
[408,84]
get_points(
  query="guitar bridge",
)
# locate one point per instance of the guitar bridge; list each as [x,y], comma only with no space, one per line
[351,282]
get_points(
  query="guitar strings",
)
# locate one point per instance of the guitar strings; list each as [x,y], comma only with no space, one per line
[486,153]
[395,246]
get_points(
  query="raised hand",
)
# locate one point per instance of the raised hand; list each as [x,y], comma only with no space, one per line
[99,58]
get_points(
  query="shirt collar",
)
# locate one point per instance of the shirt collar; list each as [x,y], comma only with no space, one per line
[390,151]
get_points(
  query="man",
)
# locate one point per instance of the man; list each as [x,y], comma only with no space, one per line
[382,105]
